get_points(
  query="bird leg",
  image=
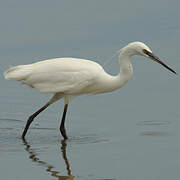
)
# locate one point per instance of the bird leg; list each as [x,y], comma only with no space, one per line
[62,126]
[31,118]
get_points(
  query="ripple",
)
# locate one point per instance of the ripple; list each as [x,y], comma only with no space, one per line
[11,129]
[8,119]
[6,128]
[87,139]
[154,133]
[153,123]
[43,128]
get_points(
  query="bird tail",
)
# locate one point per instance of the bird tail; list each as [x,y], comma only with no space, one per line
[18,73]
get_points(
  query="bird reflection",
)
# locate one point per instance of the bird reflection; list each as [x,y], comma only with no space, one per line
[49,168]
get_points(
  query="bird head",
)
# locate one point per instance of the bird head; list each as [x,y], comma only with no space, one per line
[139,48]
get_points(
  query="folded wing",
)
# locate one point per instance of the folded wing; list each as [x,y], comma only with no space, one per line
[64,75]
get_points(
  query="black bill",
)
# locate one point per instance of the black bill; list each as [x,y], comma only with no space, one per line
[155,58]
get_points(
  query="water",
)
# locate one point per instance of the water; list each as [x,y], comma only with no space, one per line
[132,133]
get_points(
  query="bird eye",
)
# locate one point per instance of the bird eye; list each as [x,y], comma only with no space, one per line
[145,51]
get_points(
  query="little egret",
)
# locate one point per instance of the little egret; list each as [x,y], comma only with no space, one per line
[66,77]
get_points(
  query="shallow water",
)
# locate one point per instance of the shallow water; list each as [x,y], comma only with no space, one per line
[132,133]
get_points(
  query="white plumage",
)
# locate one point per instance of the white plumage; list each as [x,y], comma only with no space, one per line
[65,77]
[62,75]
[69,76]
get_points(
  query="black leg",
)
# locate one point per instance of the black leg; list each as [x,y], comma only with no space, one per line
[31,118]
[63,150]
[62,127]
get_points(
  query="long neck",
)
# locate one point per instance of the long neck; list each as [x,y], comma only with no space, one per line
[108,83]
[126,72]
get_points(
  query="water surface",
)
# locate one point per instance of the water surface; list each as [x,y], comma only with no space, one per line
[132,133]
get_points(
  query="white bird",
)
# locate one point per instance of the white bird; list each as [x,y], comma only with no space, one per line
[66,77]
